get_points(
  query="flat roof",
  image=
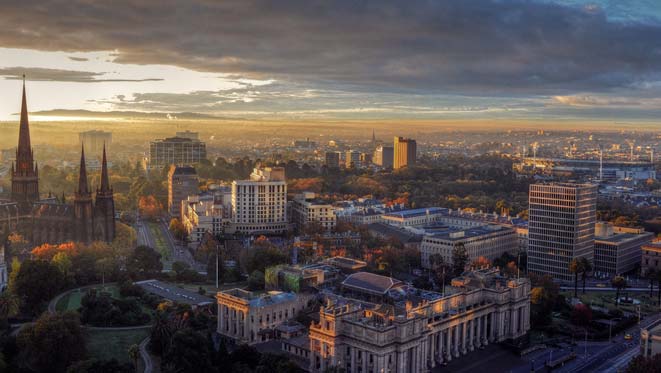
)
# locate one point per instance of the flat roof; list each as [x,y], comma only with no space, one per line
[623,237]
[403,214]
[174,293]
[471,232]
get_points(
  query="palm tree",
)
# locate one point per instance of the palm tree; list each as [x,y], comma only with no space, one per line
[586,267]
[651,276]
[618,283]
[575,267]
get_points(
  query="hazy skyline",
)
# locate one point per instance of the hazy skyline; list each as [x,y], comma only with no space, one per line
[431,60]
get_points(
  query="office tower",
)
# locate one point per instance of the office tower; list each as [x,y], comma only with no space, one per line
[259,205]
[383,156]
[332,160]
[352,159]
[366,158]
[195,136]
[182,182]
[405,152]
[561,227]
[94,140]
[177,151]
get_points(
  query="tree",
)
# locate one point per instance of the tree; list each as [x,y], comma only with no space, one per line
[459,259]
[581,315]
[9,304]
[52,343]
[63,263]
[256,280]
[189,352]
[150,207]
[134,354]
[37,282]
[100,366]
[124,241]
[178,229]
[480,262]
[144,262]
[543,297]
[618,283]
[575,267]
[586,267]
[641,364]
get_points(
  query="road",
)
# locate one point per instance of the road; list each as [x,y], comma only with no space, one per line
[179,251]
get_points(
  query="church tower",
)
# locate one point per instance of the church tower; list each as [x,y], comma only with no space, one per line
[104,207]
[24,173]
[83,223]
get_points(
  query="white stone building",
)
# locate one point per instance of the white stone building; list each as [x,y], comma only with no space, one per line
[306,209]
[259,205]
[483,308]
[249,318]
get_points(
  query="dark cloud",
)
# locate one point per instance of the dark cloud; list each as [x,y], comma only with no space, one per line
[476,47]
[58,75]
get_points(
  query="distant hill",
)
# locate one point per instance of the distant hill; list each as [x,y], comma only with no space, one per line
[122,114]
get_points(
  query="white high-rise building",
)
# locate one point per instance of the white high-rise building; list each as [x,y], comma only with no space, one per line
[560,227]
[259,205]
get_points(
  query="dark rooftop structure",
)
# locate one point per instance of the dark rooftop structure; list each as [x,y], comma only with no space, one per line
[366,282]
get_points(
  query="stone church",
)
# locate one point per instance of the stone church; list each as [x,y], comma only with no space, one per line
[49,220]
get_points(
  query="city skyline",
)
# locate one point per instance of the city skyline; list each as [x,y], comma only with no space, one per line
[486,60]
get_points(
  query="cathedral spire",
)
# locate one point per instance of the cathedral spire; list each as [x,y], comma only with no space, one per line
[24,146]
[83,189]
[105,183]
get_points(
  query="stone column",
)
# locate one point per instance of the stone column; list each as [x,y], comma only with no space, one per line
[439,353]
[478,334]
[221,319]
[463,337]
[352,353]
[471,337]
[364,362]
[448,346]
[455,348]
[432,349]
[492,328]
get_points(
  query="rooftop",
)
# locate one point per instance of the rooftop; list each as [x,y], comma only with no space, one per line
[417,212]
[623,237]
[371,282]
[462,234]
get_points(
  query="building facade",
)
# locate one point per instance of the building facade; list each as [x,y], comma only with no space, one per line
[352,159]
[651,258]
[415,217]
[421,334]
[650,340]
[259,205]
[182,182]
[307,210]
[94,141]
[405,152]
[616,254]
[52,220]
[177,151]
[561,227]
[384,155]
[248,318]
[489,241]
[203,213]
[332,160]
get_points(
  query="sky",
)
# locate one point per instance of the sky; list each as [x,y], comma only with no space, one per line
[344,59]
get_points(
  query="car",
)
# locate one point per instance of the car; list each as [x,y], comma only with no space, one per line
[600,285]
[628,337]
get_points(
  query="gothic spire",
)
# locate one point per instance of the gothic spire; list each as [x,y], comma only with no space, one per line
[105,183]
[82,178]
[24,146]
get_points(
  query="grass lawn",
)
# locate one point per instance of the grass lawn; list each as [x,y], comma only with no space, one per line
[161,244]
[71,301]
[109,344]
[607,299]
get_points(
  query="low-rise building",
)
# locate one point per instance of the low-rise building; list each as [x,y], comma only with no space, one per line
[489,241]
[651,260]
[306,209]
[423,329]
[650,340]
[617,253]
[203,213]
[415,217]
[249,318]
